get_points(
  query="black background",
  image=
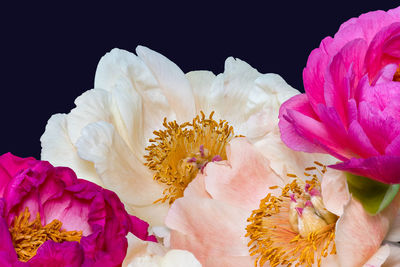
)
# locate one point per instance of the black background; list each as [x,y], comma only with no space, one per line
[49,53]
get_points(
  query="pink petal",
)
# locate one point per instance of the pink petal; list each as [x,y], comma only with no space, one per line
[381,168]
[10,165]
[290,133]
[384,41]
[215,228]
[359,235]
[58,254]
[344,73]
[244,179]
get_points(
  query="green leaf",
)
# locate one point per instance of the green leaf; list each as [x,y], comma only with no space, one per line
[373,195]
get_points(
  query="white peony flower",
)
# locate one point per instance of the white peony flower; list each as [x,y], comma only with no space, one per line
[104,139]
[149,254]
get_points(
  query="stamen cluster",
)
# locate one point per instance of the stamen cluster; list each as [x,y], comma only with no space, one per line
[180,151]
[27,236]
[293,228]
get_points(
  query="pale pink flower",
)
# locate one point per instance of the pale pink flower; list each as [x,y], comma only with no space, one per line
[215,218]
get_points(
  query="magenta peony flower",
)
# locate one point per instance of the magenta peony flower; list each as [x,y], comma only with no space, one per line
[48,217]
[351,108]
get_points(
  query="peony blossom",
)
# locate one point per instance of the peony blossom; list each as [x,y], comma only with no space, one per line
[350,108]
[150,254]
[147,128]
[48,217]
[239,212]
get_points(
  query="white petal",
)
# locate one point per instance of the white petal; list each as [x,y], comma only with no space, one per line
[284,160]
[93,105]
[234,103]
[143,253]
[149,254]
[201,83]
[379,257]
[58,149]
[119,169]
[119,66]
[274,84]
[172,81]
[335,193]
[394,257]
[179,258]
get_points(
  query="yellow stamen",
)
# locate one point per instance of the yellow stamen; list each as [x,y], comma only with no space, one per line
[180,151]
[27,236]
[288,230]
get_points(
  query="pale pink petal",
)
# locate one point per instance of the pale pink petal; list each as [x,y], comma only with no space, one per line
[244,179]
[359,235]
[226,261]
[197,187]
[205,226]
[335,193]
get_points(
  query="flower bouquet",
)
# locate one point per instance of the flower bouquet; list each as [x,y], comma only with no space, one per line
[155,167]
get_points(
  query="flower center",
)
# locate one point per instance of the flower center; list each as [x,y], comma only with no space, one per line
[179,152]
[27,236]
[294,228]
[396,76]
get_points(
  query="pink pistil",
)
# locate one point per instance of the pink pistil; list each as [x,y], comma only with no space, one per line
[216,158]
[202,151]
[299,211]
[314,192]
[292,198]
[308,204]
[193,159]
[307,187]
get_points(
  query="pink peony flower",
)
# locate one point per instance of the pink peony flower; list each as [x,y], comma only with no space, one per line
[351,105]
[240,212]
[48,217]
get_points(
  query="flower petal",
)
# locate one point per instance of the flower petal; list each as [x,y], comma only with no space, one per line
[244,179]
[335,193]
[379,257]
[58,149]
[199,231]
[394,257]
[172,81]
[381,168]
[359,235]
[58,254]
[118,168]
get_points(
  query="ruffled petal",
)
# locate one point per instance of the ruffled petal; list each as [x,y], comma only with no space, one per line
[10,165]
[172,81]
[58,254]
[58,149]
[119,169]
